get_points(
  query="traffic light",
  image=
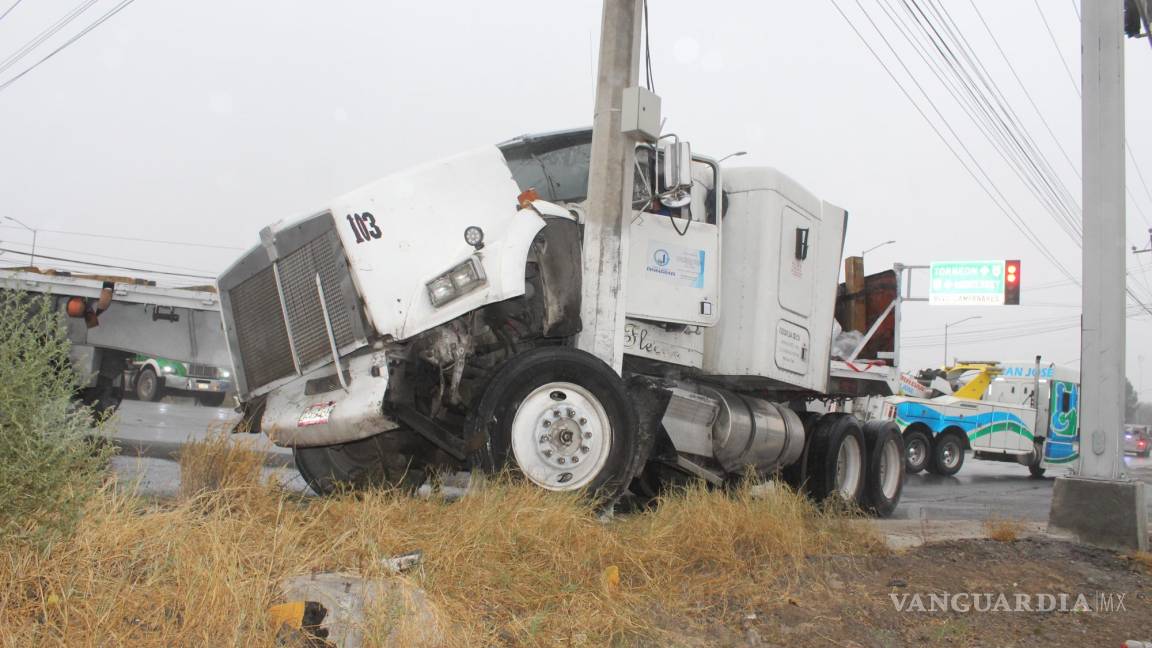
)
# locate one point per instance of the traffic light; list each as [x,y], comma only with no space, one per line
[1012,282]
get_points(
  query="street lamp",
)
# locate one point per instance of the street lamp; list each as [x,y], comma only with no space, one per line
[32,256]
[880,245]
[946,334]
[736,154]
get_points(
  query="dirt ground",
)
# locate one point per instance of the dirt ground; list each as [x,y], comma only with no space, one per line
[848,601]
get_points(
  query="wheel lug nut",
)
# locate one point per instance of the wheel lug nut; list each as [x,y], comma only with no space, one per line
[560,461]
[545,438]
[584,449]
[583,421]
[556,413]
[547,423]
[571,413]
[575,459]
[587,435]
[547,453]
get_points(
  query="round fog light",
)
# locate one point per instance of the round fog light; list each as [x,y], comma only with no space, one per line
[474,236]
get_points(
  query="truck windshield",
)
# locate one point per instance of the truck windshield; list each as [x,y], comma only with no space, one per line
[555,164]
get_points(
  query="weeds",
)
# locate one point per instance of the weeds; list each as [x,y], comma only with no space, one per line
[48,467]
[218,462]
[508,564]
[1002,530]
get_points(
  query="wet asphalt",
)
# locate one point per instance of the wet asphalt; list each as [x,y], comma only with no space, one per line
[151,435]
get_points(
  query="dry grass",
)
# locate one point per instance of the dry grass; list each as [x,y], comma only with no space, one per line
[1142,558]
[1003,530]
[218,462]
[507,565]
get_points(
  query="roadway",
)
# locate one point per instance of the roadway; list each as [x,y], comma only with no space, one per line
[151,434]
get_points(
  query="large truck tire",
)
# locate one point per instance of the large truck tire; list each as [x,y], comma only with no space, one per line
[148,385]
[917,450]
[562,419]
[387,460]
[947,454]
[886,457]
[836,458]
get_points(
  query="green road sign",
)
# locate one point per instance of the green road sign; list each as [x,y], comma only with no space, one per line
[966,283]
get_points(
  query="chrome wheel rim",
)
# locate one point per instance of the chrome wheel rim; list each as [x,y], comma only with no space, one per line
[890,468]
[916,452]
[951,453]
[848,464]
[561,436]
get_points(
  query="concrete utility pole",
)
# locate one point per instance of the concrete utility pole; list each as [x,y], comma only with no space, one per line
[1099,505]
[609,206]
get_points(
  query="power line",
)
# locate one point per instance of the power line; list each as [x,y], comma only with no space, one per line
[1020,83]
[1056,44]
[1015,144]
[116,258]
[1021,145]
[48,32]
[106,265]
[1001,122]
[1076,86]
[9,9]
[129,238]
[1002,202]
[111,12]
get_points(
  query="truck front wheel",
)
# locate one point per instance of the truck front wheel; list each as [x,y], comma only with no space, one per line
[147,385]
[383,461]
[561,418]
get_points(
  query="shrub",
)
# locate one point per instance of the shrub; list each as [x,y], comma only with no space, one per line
[49,463]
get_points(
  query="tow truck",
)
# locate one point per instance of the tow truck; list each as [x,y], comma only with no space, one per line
[1021,413]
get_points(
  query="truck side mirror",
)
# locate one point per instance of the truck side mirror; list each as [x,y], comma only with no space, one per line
[676,183]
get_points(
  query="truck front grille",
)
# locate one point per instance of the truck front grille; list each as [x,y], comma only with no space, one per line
[278,324]
[197,370]
[298,273]
[261,335]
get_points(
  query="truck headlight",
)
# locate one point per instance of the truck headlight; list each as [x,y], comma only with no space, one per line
[460,280]
[224,373]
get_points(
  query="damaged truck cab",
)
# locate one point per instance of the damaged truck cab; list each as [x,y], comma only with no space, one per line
[428,320]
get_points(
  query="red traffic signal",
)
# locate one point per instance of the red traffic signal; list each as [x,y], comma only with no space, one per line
[1012,282]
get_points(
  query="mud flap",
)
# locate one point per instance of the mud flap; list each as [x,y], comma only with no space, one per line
[650,399]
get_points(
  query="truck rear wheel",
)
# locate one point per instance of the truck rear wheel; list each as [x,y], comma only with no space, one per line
[383,461]
[917,450]
[836,458]
[562,419]
[885,479]
[148,385]
[947,455]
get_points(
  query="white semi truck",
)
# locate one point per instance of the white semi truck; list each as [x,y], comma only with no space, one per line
[428,320]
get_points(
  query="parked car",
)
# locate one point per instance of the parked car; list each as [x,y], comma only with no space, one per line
[1137,440]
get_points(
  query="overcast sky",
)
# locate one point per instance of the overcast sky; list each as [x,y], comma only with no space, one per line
[202,122]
